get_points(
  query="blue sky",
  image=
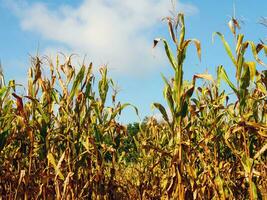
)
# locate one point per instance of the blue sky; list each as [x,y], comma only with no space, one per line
[120,33]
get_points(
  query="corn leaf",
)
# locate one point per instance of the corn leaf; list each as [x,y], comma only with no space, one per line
[162,111]
[168,52]
[226,46]
[52,161]
[255,51]
[77,81]
[223,75]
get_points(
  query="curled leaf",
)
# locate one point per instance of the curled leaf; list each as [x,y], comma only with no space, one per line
[226,46]
[168,52]
[19,103]
[162,111]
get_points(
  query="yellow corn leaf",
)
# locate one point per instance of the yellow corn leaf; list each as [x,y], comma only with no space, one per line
[52,161]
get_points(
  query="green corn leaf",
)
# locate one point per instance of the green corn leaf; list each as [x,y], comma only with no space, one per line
[54,95]
[252,69]
[226,46]
[239,43]
[136,142]
[162,111]
[103,85]
[77,81]
[169,98]
[168,94]
[178,85]
[223,75]
[2,91]
[168,52]
[240,63]
[254,191]
[255,52]
[42,112]
[164,79]
[182,32]
[245,78]
[118,110]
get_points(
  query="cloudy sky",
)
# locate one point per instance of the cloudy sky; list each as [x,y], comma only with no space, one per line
[120,33]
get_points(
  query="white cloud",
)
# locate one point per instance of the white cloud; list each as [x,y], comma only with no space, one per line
[117,32]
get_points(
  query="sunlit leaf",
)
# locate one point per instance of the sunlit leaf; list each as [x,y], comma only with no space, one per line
[52,160]
[226,46]
[222,74]
[168,52]
[77,81]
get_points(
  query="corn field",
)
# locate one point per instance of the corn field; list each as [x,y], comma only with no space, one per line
[60,139]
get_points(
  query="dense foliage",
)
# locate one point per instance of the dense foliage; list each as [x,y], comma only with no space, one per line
[62,140]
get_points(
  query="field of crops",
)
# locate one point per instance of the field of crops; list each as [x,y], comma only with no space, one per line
[60,140]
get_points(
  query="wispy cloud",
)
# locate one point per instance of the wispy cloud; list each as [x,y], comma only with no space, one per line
[117,32]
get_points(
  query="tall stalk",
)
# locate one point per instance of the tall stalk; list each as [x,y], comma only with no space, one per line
[176,95]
